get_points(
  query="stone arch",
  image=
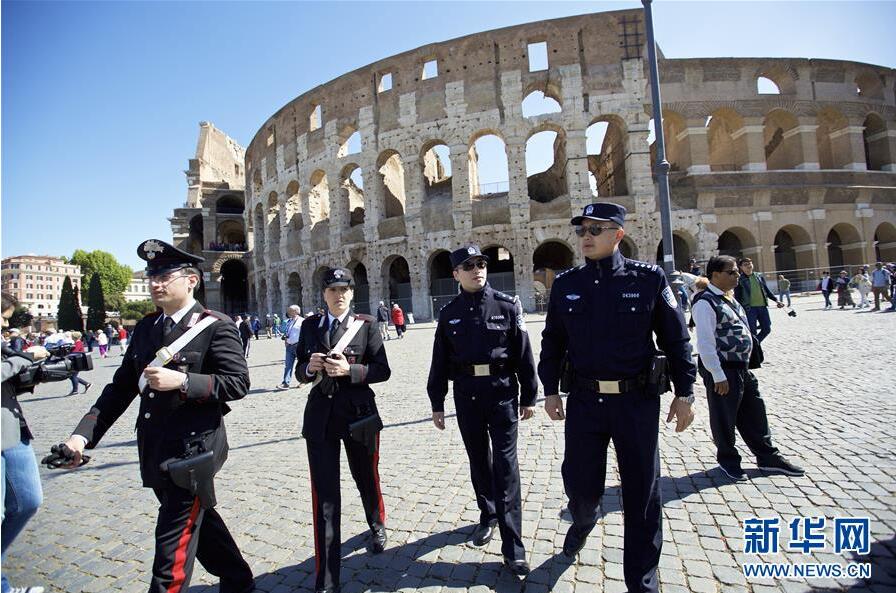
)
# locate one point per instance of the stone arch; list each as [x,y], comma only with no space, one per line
[294,221]
[256,181]
[294,290]
[352,195]
[677,151]
[541,102]
[501,271]
[230,204]
[272,232]
[628,248]
[783,76]
[545,183]
[435,164]
[234,279]
[259,227]
[550,258]
[605,139]
[683,246]
[442,285]
[361,302]
[316,283]
[262,292]
[349,141]
[833,144]
[391,177]
[877,147]
[726,153]
[845,247]
[196,241]
[396,275]
[488,166]
[885,242]
[868,84]
[782,143]
[794,250]
[319,211]
[276,295]
[734,241]
[230,233]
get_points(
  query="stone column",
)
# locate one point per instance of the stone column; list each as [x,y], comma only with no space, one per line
[373,201]
[461,203]
[420,289]
[284,291]
[850,142]
[695,147]
[415,190]
[883,143]
[284,228]
[518,189]
[523,273]
[753,133]
[807,143]
[638,174]
[338,206]
[577,170]
[816,222]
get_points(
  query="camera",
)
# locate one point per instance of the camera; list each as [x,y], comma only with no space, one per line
[59,366]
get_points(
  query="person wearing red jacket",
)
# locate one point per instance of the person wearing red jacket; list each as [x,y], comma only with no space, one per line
[398,320]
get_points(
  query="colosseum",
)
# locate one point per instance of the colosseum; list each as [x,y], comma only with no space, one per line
[791,161]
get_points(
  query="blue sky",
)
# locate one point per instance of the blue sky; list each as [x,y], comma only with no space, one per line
[101,101]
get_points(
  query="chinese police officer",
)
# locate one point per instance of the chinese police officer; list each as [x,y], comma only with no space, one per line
[343,355]
[482,345]
[185,363]
[598,342]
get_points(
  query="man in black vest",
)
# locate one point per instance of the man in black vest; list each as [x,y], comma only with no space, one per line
[724,343]
[481,343]
[340,399]
[183,399]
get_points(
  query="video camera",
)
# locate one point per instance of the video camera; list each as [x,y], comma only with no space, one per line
[59,366]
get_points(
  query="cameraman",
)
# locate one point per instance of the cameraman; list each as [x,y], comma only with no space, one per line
[21,488]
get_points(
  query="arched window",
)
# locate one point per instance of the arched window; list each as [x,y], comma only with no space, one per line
[488,166]
[546,165]
[605,142]
[537,103]
[767,86]
[391,173]
[437,171]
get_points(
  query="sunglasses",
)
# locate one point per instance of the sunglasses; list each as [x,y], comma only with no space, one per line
[469,266]
[594,230]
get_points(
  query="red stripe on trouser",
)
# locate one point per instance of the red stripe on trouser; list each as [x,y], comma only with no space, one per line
[376,480]
[314,523]
[180,554]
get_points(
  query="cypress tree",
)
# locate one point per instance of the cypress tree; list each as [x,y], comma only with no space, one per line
[69,315]
[96,304]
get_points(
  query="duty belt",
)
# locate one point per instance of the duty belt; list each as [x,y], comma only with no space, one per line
[610,387]
[482,370]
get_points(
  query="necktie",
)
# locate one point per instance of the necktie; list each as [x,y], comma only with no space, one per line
[167,326]
[334,327]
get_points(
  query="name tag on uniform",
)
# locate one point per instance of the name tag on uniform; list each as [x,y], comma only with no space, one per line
[496,318]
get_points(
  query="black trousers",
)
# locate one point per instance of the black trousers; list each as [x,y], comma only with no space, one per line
[185,532]
[488,427]
[631,421]
[326,499]
[742,408]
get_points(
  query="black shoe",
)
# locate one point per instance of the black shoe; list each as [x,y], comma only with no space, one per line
[735,472]
[782,466]
[518,567]
[325,590]
[75,392]
[574,542]
[86,387]
[283,386]
[484,533]
[378,540]
[228,587]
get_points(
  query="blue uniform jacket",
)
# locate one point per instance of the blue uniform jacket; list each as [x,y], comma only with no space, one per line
[479,328]
[603,314]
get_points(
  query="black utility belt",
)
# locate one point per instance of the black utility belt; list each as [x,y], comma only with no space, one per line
[610,387]
[482,370]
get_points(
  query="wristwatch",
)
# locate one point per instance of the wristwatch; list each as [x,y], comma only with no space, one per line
[185,386]
[687,398]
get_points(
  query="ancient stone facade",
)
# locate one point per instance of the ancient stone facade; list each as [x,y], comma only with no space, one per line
[791,161]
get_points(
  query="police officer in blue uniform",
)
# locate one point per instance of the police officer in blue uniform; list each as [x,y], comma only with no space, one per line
[481,343]
[598,346]
[184,390]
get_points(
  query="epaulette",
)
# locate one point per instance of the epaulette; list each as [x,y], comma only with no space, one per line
[216,314]
[640,265]
[503,297]
[365,317]
[565,272]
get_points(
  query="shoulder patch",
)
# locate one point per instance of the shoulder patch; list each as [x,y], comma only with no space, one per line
[503,297]
[669,297]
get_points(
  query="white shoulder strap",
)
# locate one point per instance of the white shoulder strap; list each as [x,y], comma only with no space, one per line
[343,342]
[166,353]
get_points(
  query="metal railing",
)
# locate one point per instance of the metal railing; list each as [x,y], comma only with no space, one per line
[498,187]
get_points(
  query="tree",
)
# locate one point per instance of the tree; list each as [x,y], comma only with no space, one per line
[96,304]
[69,315]
[137,309]
[114,276]
[21,317]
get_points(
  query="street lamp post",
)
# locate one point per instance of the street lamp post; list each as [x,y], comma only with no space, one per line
[662,165]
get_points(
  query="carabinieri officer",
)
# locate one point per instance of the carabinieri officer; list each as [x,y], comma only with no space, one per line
[341,399]
[182,405]
[598,338]
[482,344]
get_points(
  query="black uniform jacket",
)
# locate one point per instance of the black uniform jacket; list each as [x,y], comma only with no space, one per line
[327,415]
[603,315]
[482,327]
[168,421]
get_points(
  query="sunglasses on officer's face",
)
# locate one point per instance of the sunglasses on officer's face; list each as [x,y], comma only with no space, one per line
[469,266]
[594,230]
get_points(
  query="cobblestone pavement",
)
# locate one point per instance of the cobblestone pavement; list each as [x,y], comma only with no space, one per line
[829,387]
